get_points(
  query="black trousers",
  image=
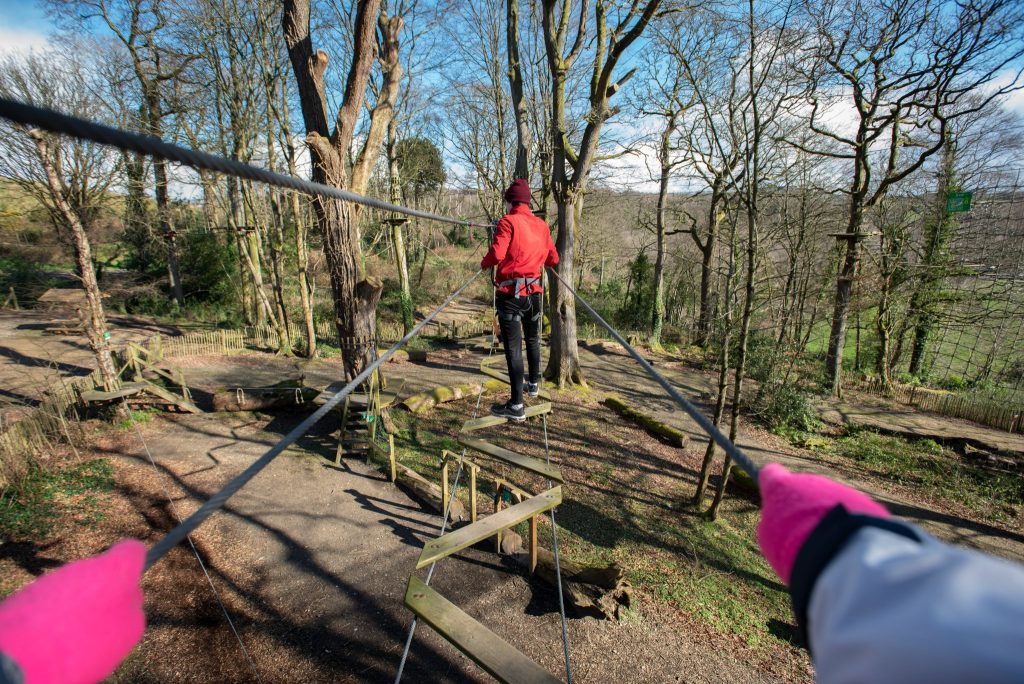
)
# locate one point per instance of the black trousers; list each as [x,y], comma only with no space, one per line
[520,319]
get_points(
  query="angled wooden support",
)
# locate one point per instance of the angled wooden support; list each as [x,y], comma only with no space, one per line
[473,471]
[534,465]
[495,655]
[453,542]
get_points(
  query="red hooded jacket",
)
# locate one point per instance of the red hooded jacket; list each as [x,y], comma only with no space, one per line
[522,246]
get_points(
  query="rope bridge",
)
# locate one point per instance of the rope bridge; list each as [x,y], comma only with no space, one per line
[494,655]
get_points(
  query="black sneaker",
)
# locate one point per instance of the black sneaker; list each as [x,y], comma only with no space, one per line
[532,389]
[510,411]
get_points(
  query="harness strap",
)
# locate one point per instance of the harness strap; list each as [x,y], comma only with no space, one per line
[519,283]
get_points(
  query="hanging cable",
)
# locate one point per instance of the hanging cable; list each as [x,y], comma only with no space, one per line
[741,459]
[199,558]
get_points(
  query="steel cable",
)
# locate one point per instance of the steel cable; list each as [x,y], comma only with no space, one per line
[215,502]
[55,122]
[741,459]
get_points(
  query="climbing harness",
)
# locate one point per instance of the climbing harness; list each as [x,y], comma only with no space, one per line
[521,284]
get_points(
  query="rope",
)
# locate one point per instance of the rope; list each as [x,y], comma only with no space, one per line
[174,512]
[175,536]
[55,122]
[444,526]
[558,566]
[741,459]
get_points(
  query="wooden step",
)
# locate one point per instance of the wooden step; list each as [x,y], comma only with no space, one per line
[534,465]
[169,396]
[127,389]
[495,655]
[450,543]
[491,421]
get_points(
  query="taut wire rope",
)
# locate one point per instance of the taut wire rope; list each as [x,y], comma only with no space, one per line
[741,459]
[55,122]
[175,536]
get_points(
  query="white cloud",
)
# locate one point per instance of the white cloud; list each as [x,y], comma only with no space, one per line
[21,41]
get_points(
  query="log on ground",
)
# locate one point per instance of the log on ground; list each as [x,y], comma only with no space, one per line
[263,399]
[654,427]
[421,403]
[428,493]
[589,591]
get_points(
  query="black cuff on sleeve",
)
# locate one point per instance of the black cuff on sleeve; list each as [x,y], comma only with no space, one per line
[10,673]
[822,545]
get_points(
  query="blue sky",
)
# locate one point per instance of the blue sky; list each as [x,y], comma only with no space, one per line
[23,24]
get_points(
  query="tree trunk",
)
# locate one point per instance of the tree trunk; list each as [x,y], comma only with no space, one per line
[355,300]
[658,319]
[923,303]
[154,114]
[301,256]
[564,360]
[397,239]
[93,318]
[716,213]
[515,80]
[848,271]
[723,371]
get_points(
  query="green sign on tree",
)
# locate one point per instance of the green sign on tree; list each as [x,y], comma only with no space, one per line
[958,202]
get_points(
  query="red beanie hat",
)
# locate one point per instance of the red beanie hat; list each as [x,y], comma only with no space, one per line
[518,192]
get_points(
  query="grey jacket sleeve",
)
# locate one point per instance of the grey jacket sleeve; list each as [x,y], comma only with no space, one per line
[896,605]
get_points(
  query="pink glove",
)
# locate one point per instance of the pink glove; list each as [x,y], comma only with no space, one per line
[792,505]
[74,625]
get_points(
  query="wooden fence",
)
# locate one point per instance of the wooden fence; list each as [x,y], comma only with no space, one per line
[986,411]
[54,419]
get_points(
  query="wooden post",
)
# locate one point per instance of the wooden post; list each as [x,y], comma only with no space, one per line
[444,486]
[472,493]
[391,457]
[533,544]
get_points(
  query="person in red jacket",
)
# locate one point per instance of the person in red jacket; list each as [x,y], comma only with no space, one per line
[522,246]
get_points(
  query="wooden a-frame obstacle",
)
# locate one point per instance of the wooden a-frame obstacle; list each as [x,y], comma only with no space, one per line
[499,658]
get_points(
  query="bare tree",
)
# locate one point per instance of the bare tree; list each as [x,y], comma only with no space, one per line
[71,177]
[355,297]
[617,27]
[901,67]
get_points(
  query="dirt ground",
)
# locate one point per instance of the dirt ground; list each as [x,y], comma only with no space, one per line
[32,361]
[618,372]
[311,563]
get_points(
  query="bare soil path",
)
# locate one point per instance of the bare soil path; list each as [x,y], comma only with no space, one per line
[32,361]
[890,416]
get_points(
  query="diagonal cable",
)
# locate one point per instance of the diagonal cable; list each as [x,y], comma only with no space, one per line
[175,536]
[444,526]
[55,122]
[741,459]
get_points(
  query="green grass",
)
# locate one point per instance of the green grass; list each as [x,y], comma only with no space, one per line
[931,468]
[47,499]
